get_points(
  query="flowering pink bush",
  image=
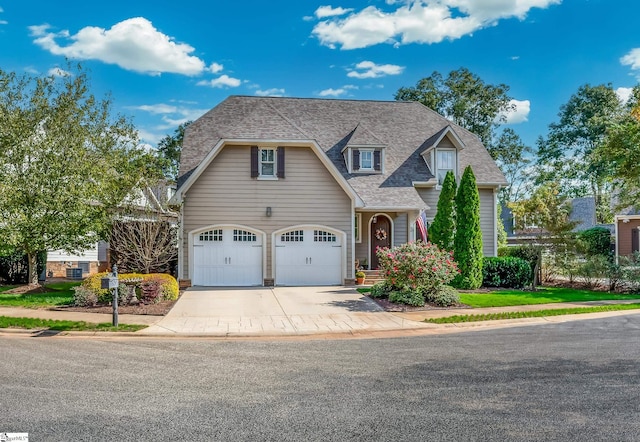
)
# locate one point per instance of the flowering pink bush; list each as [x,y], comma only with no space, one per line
[417,265]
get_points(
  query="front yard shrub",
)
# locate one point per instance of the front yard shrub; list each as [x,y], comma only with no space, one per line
[158,286]
[84,297]
[443,296]
[411,270]
[532,254]
[595,241]
[505,271]
[380,290]
[412,297]
[442,229]
[593,269]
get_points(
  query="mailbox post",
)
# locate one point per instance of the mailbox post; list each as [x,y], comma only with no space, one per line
[110,282]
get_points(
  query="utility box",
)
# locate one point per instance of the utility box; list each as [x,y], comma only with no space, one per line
[74,273]
[109,282]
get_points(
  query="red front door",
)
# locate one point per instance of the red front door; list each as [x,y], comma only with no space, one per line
[380,237]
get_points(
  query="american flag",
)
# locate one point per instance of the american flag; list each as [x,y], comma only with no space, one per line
[422,225]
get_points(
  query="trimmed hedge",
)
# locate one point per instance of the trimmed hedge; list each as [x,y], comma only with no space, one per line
[532,254]
[154,286]
[595,241]
[505,271]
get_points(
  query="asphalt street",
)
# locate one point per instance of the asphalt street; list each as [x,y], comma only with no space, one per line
[571,381]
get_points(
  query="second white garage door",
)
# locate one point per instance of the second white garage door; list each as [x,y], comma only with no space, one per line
[310,256]
[227,257]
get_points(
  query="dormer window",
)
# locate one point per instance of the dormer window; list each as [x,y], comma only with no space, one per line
[445,162]
[365,160]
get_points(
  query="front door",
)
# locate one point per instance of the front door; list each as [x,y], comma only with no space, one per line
[380,237]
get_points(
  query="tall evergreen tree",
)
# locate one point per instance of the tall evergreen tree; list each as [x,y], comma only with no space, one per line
[442,230]
[468,238]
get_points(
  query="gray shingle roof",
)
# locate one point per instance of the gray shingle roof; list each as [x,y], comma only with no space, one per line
[404,128]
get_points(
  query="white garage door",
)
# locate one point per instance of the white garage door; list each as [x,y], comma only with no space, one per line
[227,257]
[308,257]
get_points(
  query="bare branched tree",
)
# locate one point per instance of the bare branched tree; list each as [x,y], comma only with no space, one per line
[144,246]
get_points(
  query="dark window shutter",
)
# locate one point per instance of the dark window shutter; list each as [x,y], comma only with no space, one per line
[635,243]
[280,162]
[376,160]
[254,161]
[356,159]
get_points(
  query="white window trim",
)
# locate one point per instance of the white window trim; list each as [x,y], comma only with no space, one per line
[437,165]
[358,222]
[275,164]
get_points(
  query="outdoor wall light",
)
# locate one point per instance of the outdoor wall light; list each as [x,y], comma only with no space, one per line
[268,211]
[374,219]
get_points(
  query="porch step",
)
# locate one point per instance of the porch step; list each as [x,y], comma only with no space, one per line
[372,276]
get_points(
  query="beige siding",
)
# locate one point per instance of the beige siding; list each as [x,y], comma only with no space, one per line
[624,236]
[487,214]
[400,233]
[487,221]
[362,248]
[226,194]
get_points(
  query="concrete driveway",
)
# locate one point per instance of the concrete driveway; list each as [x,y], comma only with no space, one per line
[271,311]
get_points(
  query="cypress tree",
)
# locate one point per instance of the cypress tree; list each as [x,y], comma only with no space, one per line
[468,238]
[442,230]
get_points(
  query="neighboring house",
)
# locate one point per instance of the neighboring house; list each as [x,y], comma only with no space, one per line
[293,191]
[583,213]
[140,204]
[627,232]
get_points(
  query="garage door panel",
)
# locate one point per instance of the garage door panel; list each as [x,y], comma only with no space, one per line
[227,257]
[308,257]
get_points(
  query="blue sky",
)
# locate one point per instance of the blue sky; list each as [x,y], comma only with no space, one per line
[164,62]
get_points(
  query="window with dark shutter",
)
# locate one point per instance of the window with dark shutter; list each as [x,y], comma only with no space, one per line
[254,161]
[376,160]
[356,159]
[280,162]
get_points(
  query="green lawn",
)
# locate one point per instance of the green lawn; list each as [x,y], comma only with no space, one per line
[48,324]
[544,295]
[61,294]
[532,314]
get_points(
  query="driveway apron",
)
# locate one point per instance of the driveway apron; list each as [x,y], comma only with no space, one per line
[263,311]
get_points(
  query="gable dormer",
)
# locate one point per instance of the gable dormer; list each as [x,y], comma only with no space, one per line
[364,152]
[441,153]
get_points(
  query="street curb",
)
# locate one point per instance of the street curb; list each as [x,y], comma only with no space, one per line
[436,329]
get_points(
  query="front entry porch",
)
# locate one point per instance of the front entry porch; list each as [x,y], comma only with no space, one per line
[380,229]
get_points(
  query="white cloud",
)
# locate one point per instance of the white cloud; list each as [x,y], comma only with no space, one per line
[156,109]
[57,72]
[344,90]
[273,92]
[172,116]
[3,22]
[215,68]
[332,92]
[368,69]
[632,59]
[420,21]
[624,93]
[518,115]
[133,44]
[328,11]
[222,81]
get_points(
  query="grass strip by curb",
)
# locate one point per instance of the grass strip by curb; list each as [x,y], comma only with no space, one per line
[49,324]
[532,314]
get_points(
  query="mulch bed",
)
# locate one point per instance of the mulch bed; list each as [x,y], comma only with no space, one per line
[159,309]
[393,307]
[28,289]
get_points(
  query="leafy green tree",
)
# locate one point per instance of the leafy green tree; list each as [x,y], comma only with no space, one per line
[65,164]
[442,229]
[464,98]
[548,209]
[514,159]
[622,152]
[570,155]
[468,238]
[169,150]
